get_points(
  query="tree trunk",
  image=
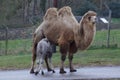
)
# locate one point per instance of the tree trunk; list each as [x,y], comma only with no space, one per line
[35,8]
[55,4]
[26,11]
[49,3]
[42,8]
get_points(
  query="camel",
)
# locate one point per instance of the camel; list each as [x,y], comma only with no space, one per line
[64,31]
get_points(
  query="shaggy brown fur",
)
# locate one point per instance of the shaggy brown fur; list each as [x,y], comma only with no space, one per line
[67,33]
[66,15]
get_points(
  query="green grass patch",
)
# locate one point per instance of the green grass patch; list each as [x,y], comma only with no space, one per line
[100,40]
[15,61]
[98,57]
[115,20]
[19,46]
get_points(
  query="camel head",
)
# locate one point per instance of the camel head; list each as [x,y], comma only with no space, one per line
[86,31]
[51,13]
[65,11]
[90,17]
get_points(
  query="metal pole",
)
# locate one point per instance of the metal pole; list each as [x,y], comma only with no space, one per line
[109,22]
[6,41]
[108,36]
[101,4]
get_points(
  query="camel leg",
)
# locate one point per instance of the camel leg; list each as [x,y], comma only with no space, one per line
[33,58]
[70,57]
[72,50]
[63,50]
[46,61]
[33,63]
[35,41]
[63,57]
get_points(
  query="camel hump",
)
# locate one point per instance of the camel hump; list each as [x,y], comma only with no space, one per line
[51,13]
[66,10]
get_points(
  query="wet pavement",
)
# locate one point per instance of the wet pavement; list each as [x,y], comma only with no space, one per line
[82,73]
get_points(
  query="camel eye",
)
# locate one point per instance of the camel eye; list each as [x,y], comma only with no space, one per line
[89,18]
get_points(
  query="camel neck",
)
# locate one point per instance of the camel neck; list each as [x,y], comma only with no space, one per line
[88,33]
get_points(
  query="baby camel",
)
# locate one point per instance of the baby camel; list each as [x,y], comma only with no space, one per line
[44,50]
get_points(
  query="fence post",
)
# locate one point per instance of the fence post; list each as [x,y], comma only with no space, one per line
[109,18]
[6,40]
[108,37]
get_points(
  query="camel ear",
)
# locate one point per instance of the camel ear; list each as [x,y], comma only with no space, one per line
[89,18]
[89,14]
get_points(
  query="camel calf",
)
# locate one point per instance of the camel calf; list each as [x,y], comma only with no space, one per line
[44,52]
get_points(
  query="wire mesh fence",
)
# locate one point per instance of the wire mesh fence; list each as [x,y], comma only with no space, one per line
[19,40]
[100,40]
[15,40]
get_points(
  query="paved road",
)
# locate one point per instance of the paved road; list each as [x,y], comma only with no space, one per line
[82,73]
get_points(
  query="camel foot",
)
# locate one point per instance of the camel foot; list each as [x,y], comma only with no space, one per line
[32,71]
[73,70]
[36,73]
[53,71]
[42,73]
[49,69]
[62,71]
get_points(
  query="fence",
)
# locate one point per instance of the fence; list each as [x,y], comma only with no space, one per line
[100,40]
[16,40]
[19,40]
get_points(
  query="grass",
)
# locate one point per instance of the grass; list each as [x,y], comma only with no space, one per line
[19,53]
[15,61]
[116,20]
[20,46]
[98,57]
[101,39]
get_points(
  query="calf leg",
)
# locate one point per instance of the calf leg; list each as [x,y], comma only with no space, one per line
[41,63]
[40,66]
[46,61]
[51,65]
